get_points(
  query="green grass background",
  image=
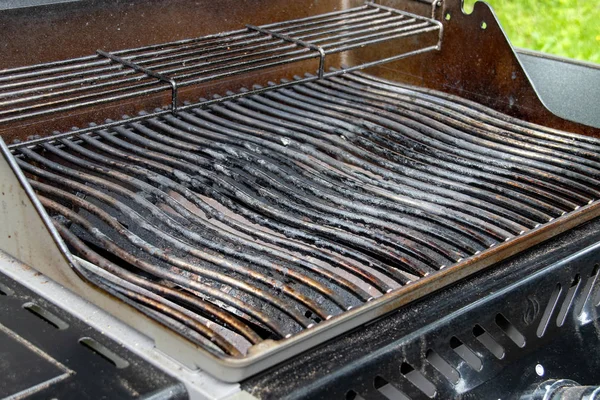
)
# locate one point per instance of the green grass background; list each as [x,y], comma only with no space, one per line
[569,28]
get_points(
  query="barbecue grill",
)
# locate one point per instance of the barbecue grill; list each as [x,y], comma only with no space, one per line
[326,199]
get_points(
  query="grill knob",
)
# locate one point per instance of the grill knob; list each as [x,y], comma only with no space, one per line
[562,389]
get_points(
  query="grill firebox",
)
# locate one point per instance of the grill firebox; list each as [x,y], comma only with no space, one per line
[258,223]
[260,217]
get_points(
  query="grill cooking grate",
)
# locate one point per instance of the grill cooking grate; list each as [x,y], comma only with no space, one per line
[106,78]
[262,216]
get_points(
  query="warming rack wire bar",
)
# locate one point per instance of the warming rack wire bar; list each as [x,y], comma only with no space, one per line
[107,77]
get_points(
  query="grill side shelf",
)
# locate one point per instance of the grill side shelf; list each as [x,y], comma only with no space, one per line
[68,354]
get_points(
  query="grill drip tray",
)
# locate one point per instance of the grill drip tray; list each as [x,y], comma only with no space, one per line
[257,222]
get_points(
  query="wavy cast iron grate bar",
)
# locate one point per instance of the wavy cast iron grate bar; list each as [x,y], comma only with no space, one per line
[262,216]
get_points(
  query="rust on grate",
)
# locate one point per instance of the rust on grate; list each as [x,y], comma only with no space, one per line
[261,217]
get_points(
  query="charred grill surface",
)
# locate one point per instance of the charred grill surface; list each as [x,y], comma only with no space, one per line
[260,217]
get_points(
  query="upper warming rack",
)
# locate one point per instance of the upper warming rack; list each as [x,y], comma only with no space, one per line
[107,77]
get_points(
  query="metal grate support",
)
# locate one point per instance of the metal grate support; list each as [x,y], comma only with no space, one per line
[109,77]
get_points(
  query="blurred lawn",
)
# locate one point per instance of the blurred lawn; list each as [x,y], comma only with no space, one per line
[569,28]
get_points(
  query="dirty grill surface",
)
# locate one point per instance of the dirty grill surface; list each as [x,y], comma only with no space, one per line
[260,217]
